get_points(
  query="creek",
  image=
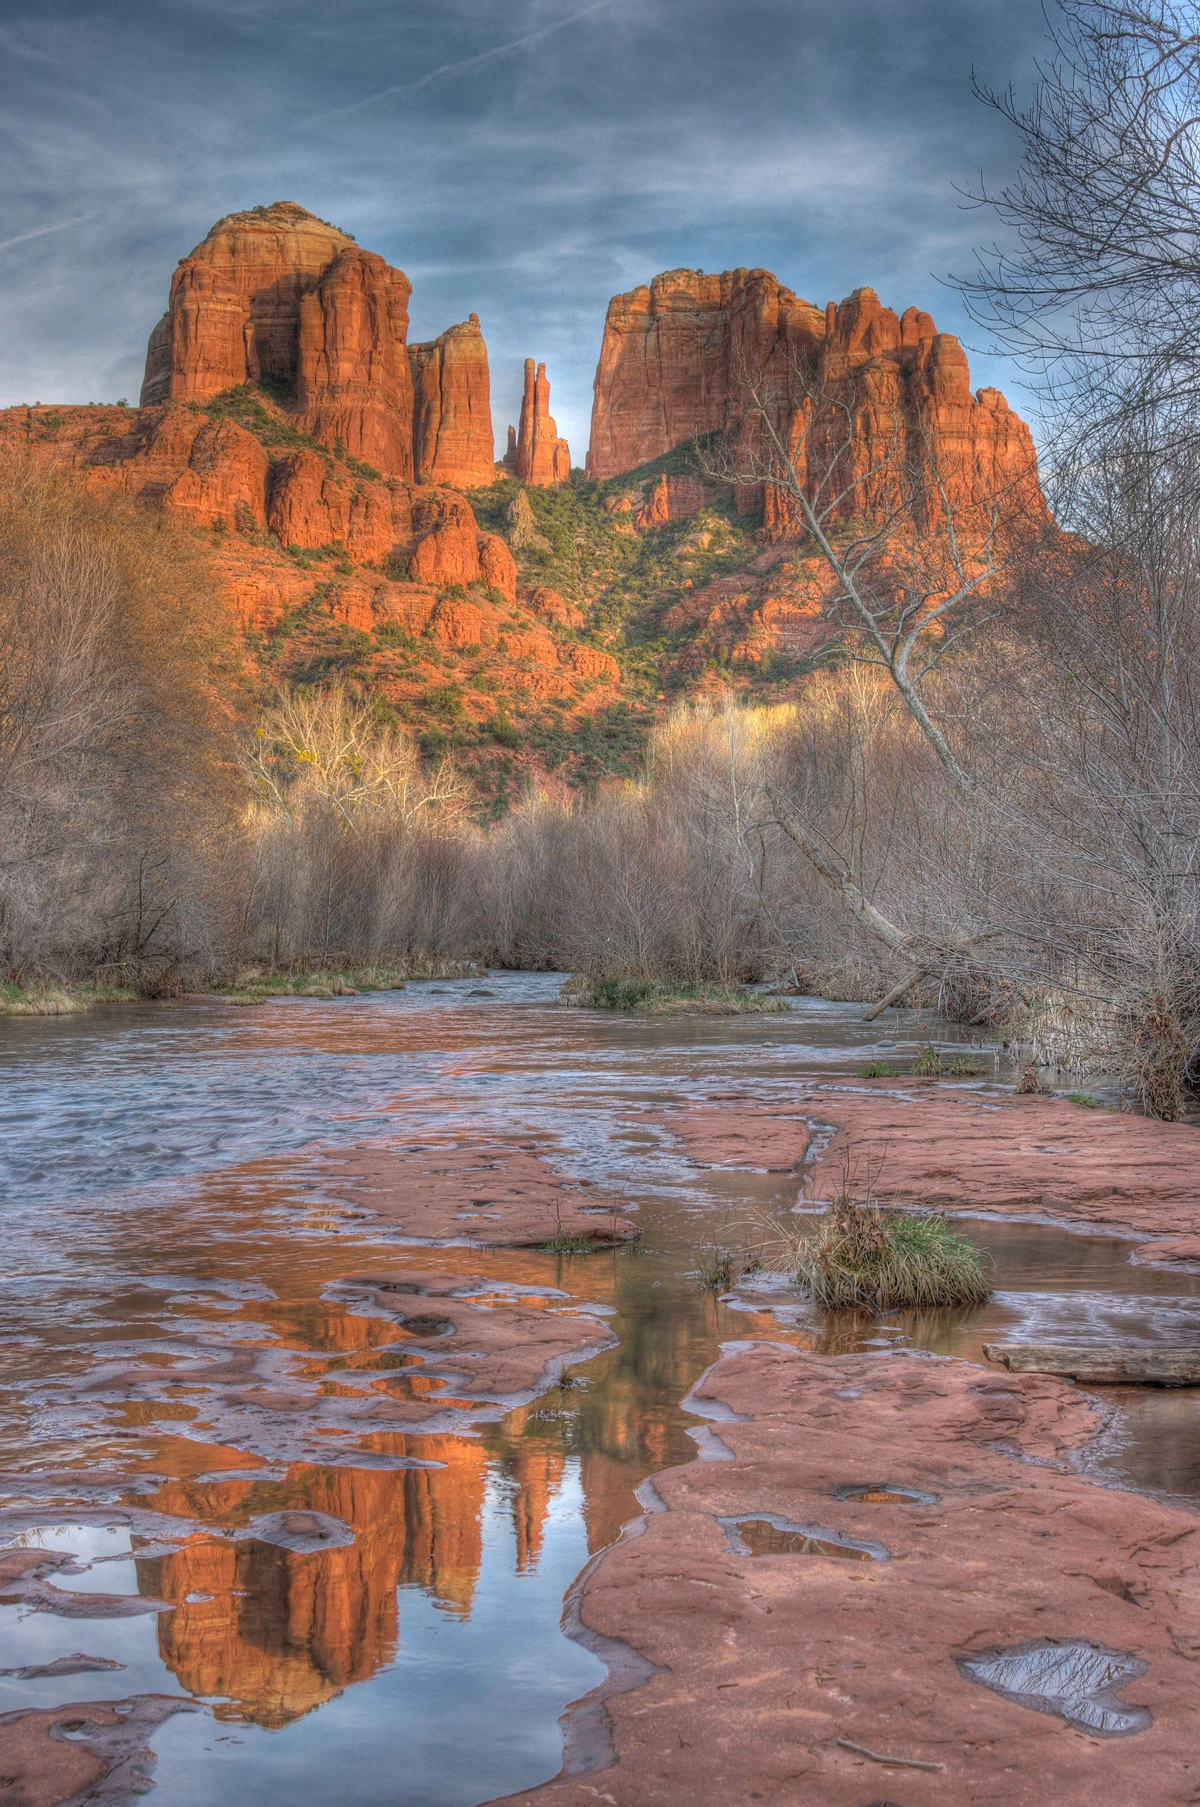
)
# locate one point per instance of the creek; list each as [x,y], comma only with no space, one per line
[155,1190]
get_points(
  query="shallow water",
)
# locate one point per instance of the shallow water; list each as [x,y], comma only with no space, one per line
[156,1202]
[1076,1680]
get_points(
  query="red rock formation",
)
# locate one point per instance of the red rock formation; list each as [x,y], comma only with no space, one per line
[312,505]
[452,410]
[590,662]
[225,479]
[670,499]
[353,382]
[235,304]
[673,355]
[278,297]
[549,606]
[536,454]
[497,566]
[679,359]
[451,550]
[447,549]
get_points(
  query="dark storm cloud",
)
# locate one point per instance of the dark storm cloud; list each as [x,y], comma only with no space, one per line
[524,159]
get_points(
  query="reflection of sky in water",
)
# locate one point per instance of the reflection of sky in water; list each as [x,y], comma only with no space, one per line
[468,1708]
[1076,1680]
[132,1232]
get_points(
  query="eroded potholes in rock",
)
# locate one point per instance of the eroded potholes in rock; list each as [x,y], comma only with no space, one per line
[769,1534]
[1072,1678]
[885,1493]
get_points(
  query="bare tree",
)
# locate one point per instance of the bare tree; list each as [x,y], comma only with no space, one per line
[1095,279]
[915,567]
[331,744]
[118,688]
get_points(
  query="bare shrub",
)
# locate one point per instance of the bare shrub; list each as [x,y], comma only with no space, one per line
[359,852]
[118,698]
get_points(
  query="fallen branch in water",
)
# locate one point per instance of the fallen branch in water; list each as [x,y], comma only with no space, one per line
[848,1744]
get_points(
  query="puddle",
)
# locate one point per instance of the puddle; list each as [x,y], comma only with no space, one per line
[1076,1680]
[885,1493]
[770,1535]
[335,1595]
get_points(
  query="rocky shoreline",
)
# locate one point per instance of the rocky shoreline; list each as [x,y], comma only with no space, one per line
[811,1608]
[860,1685]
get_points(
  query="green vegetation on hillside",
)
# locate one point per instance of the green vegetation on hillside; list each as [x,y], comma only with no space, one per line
[626,580]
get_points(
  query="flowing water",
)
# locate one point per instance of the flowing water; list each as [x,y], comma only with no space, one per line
[376,1618]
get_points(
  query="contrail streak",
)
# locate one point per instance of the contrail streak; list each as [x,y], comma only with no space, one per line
[22,238]
[469,62]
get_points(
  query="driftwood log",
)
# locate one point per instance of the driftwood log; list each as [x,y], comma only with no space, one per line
[1118,1365]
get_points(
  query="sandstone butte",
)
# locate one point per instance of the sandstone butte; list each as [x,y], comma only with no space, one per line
[278,297]
[536,455]
[283,413]
[285,417]
[853,383]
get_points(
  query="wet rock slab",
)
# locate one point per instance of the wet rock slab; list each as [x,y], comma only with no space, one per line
[494,1190]
[806,1677]
[86,1751]
[486,1340]
[25,1580]
[987,1149]
[465,1350]
[967,1148]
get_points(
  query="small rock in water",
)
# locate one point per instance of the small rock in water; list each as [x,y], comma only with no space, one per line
[77,1664]
[300,1531]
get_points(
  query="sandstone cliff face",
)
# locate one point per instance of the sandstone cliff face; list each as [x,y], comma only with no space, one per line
[855,391]
[353,382]
[278,297]
[235,304]
[536,454]
[673,354]
[452,411]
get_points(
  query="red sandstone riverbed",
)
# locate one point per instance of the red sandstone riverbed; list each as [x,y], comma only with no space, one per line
[733,1677]
[768,1670]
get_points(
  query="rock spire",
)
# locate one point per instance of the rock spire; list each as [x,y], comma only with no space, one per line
[535,453]
[452,413]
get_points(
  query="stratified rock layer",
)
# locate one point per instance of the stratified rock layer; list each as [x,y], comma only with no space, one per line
[536,454]
[278,297]
[854,391]
[452,410]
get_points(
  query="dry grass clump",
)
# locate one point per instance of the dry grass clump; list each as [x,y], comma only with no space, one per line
[862,1256]
[714,1270]
[1158,1053]
[54,1001]
[652,997]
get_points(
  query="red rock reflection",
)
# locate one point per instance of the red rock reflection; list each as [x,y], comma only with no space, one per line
[275,1632]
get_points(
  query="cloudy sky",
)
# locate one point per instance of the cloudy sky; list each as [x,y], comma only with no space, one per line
[524,159]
